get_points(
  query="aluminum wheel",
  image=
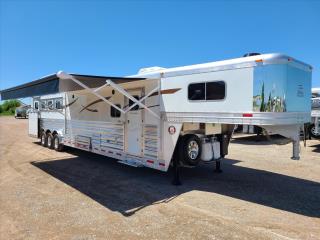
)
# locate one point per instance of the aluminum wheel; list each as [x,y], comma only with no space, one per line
[56,143]
[43,139]
[193,150]
[50,143]
[313,131]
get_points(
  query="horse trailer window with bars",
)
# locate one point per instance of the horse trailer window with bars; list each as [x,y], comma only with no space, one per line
[58,103]
[115,113]
[207,91]
[50,105]
[43,104]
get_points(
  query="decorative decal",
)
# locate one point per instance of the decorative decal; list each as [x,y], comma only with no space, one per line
[269,89]
[166,91]
[170,91]
[300,91]
[172,130]
[92,103]
[269,102]
[88,109]
[69,104]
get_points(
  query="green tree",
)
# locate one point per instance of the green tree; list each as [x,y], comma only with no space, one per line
[9,104]
[9,107]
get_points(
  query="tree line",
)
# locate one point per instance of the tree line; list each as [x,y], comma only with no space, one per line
[8,107]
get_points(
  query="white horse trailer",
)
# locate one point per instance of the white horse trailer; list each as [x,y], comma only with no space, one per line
[187,112]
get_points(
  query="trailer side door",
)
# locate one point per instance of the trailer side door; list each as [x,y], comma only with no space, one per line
[134,123]
[33,128]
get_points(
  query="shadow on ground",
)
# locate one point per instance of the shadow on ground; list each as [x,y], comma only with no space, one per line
[315,148]
[260,140]
[126,189]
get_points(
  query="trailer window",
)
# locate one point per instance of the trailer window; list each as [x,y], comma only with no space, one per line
[196,91]
[36,105]
[115,113]
[43,104]
[215,90]
[58,104]
[207,91]
[50,104]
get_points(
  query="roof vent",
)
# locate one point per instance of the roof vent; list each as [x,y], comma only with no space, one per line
[150,69]
[251,54]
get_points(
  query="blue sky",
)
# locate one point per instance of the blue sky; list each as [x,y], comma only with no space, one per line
[117,38]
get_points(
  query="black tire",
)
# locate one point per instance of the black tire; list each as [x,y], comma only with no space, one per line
[43,139]
[49,140]
[56,143]
[312,132]
[190,150]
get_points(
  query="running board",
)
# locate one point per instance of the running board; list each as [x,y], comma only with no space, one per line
[131,163]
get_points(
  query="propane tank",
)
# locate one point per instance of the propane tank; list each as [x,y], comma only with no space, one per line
[206,153]
[215,148]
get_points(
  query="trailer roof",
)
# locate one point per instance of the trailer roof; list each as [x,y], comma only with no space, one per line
[235,63]
[52,84]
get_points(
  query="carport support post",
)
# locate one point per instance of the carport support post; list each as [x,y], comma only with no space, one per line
[176,177]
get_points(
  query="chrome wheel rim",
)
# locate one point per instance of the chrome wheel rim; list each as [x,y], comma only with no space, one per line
[56,143]
[43,139]
[313,131]
[193,150]
[49,141]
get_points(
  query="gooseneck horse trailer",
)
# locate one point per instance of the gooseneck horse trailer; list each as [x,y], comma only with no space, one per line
[160,114]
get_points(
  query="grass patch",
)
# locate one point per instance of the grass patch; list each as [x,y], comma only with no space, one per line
[6,114]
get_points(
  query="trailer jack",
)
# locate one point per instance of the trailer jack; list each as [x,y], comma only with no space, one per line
[218,166]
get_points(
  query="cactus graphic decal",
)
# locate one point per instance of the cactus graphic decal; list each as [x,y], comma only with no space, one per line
[269,90]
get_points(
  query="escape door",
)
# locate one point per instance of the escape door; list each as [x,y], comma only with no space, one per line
[134,125]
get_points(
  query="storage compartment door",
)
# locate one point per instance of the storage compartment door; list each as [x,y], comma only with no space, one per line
[33,124]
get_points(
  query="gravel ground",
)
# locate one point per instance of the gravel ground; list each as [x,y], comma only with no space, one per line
[261,194]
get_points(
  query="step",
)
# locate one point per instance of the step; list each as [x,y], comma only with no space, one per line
[131,162]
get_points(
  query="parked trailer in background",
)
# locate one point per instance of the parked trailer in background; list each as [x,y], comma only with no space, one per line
[314,129]
[184,113]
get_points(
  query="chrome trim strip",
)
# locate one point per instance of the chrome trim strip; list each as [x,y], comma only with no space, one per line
[264,118]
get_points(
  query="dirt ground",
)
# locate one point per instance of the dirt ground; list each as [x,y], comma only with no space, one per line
[261,194]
